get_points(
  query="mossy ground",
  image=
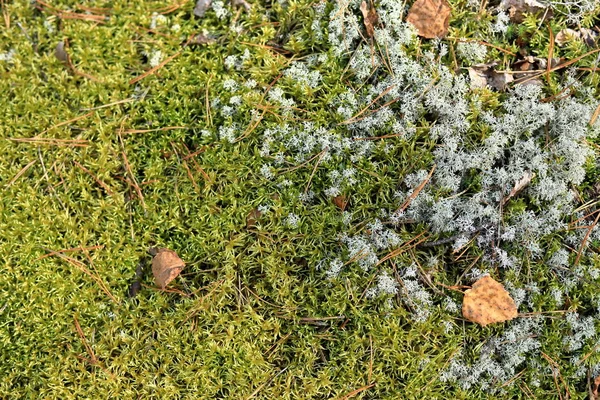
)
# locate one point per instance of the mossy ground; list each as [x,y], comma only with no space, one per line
[251,316]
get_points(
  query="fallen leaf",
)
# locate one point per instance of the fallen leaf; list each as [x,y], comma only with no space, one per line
[487,302]
[566,36]
[252,218]
[595,392]
[166,265]
[341,202]
[201,7]
[241,3]
[430,17]
[518,8]
[200,39]
[484,75]
[60,52]
[588,36]
[519,185]
[370,17]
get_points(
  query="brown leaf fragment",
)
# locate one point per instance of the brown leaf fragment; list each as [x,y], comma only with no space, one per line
[370,17]
[588,36]
[341,202]
[200,39]
[518,8]
[519,186]
[484,75]
[487,302]
[252,218]
[595,391]
[166,265]
[241,3]
[201,7]
[430,17]
[566,36]
[60,52]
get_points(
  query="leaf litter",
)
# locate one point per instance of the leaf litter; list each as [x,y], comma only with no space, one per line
[431,18]
[487,302]
[166,266]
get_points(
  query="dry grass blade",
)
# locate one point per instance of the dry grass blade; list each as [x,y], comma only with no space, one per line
[356,391]
[416,192]
[153,70]
[70,250]
[595,115]
[52,142]
[353,119]
[585,238]
[81,266]
[550,54]
[261,387]
[87,346]
[20,173]
[95,178]
[65,123]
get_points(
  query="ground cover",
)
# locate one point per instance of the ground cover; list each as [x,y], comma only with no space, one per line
[333,191]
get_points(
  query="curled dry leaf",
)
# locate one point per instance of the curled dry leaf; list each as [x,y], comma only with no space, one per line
[201,7]
[519,185]
[487,302]
[518,8]
[566,36]
[252,218]
[341,202]
[595,390]
[430,17]
[166,265]
[60,52]
[484,75]
[370,17]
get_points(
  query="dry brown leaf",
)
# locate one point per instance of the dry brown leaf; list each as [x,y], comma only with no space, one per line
[519,185]
[483,75]
[487,302]
[60,52]
[595,392]
[341,201]
[370,17]
[166,265]
[566,36]
[518,8]
[430,17]
[201,7]
[252,218]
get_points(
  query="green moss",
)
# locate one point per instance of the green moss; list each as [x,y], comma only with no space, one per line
[252,318]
